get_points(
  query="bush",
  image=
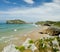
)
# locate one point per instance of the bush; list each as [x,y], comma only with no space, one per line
[21,48]
[30,41]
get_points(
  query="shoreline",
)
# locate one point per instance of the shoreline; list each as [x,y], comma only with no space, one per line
[19,40]
[34,35]
[15,39]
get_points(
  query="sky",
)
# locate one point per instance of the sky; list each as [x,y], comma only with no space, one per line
[30,10]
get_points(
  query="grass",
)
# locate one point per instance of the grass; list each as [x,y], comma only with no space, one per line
[54,23]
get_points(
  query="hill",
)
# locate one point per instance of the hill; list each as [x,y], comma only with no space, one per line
[53,23]
[15,22]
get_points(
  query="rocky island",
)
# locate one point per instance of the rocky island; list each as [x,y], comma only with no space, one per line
[15,22]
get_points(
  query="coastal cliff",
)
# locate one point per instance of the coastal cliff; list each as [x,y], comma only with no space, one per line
[15,22]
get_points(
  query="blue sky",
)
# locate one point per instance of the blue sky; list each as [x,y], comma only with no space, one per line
[7,4]
[30,10]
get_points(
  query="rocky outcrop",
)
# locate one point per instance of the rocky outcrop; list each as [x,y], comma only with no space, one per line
[52,31]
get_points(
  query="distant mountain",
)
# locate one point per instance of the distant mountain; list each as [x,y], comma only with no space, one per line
[15,22]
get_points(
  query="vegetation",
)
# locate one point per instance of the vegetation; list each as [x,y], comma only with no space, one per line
[15,22]
[30,41]
[48,44]
[57,24]
[54,23]
[21,48]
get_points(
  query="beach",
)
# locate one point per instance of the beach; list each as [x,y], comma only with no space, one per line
[33,35]
[10,36]
[18,40]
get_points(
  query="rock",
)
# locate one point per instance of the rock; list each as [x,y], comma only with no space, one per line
[10,48]
[27,45]
[51,31]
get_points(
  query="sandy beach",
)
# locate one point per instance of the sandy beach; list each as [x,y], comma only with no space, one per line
[19,40]
[34,35]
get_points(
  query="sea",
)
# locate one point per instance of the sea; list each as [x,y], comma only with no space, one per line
[9,30]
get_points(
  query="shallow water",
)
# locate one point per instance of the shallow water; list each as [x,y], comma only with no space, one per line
[8,31]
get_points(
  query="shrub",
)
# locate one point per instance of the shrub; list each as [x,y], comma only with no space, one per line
[21,48]
[30,41]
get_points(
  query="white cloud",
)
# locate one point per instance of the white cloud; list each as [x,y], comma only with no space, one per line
[29,1]
[48,11]
[57,1]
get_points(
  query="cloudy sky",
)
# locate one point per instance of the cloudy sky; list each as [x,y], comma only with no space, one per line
[30,10]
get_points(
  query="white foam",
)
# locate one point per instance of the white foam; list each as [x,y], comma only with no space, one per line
[35,25]
[10,39]
[15,29]
[6,37]
[2,38]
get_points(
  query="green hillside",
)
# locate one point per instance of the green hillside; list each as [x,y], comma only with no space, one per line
[15,22]
[54,23]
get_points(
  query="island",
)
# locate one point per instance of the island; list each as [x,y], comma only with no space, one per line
[15,22]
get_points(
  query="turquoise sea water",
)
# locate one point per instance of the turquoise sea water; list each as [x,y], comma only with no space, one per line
[11,33]
[7,30]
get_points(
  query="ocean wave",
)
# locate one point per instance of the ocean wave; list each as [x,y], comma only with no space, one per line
[2,38]
[9,40]
[5,37]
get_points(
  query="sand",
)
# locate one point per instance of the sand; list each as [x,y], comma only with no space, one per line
[34,35]
[19,40]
